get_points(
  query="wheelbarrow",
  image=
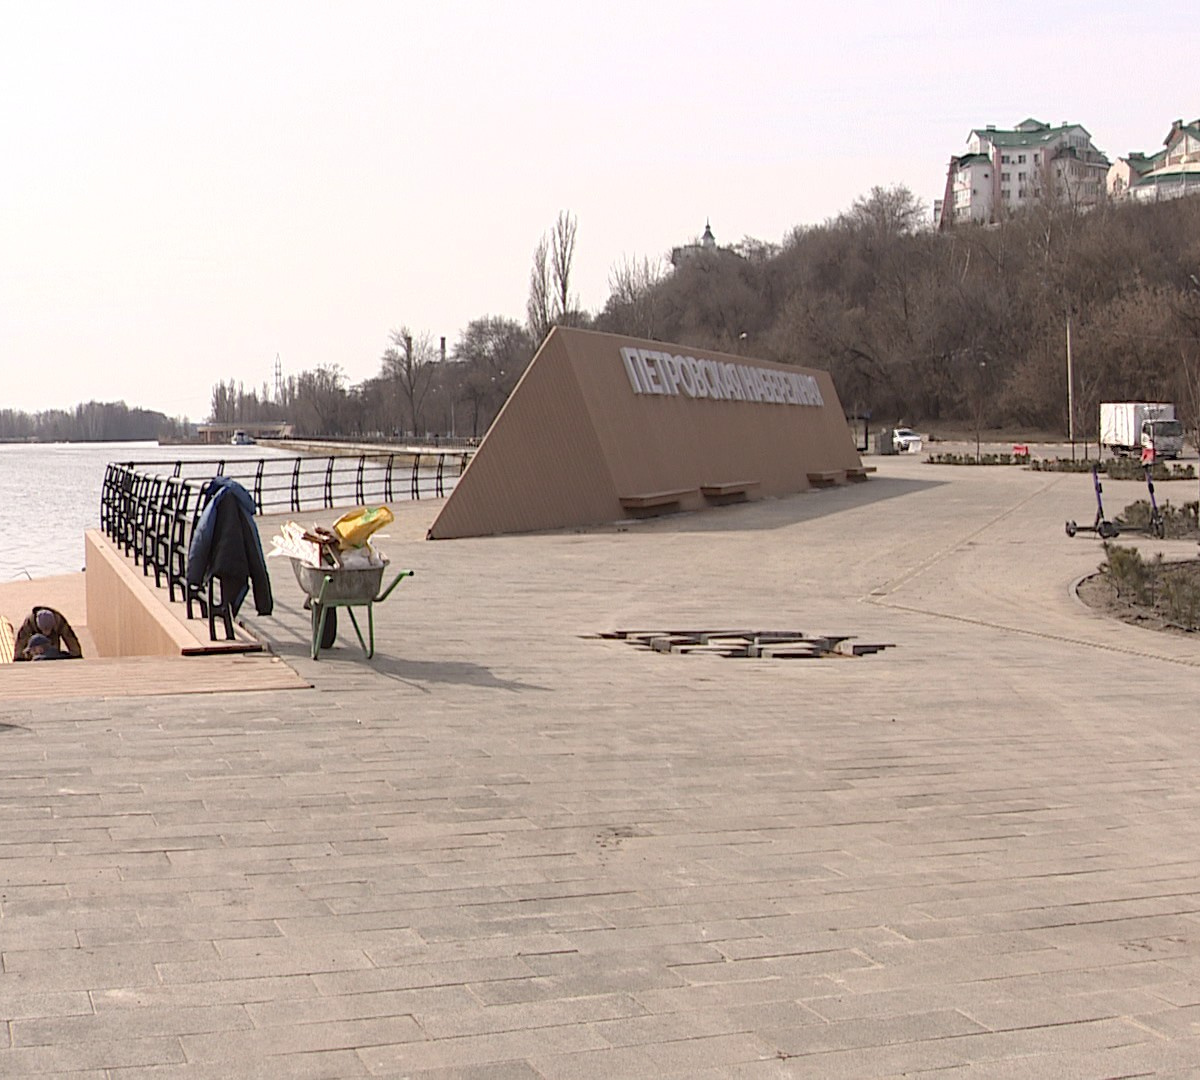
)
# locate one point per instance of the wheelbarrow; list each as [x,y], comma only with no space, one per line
[331,587]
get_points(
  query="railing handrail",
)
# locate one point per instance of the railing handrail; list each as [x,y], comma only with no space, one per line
[296,482]
[438,442]
[151,515]
[369,454]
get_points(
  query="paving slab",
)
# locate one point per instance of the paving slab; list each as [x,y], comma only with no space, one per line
[509,846]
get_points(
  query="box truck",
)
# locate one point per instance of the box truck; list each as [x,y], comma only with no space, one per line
[1129,427]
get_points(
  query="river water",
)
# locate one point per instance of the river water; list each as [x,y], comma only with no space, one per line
[50,494]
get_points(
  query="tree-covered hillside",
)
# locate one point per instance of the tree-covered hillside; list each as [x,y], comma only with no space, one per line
[968,326]
[936,327]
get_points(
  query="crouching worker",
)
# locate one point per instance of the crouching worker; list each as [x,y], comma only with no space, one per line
[52,625]
[39,648]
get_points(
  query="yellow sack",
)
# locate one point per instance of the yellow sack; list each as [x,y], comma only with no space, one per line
[354,528]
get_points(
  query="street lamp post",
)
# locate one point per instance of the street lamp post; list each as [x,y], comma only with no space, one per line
[1070,393]
[979,407]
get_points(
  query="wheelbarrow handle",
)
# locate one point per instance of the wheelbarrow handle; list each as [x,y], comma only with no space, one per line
[388,591]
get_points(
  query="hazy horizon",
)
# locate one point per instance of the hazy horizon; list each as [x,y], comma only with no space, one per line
[193,190]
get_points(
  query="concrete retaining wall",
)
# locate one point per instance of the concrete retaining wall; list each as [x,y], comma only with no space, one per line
[123,614]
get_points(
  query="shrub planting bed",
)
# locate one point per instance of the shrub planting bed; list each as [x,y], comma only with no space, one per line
[1152,593]
[1116,468]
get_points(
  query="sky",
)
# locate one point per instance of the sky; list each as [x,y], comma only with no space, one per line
[189,191]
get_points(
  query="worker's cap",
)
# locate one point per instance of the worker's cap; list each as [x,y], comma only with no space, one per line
[45,620]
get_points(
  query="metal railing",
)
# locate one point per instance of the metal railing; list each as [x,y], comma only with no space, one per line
[293,484]
[149,509]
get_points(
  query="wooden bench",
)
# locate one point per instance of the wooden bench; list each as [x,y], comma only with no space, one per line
[728,491]
[824,479]
[653,500]
[861,473]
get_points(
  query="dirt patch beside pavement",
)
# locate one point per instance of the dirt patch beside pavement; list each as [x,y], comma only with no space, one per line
[1169,600]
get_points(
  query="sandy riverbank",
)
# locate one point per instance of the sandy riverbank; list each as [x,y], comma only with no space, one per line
[63,592]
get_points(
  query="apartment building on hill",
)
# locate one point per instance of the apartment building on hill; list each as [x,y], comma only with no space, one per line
[1007,169]
[1172,172]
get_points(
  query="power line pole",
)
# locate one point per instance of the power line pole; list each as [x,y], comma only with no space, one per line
[1070,393]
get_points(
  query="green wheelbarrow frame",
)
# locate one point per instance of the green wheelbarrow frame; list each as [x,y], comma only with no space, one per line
[348,589]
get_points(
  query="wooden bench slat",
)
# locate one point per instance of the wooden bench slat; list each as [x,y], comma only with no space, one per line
[829,476]
[648,499]
[728,487]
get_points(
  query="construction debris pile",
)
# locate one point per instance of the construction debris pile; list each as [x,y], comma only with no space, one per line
[346,546]
[747,644]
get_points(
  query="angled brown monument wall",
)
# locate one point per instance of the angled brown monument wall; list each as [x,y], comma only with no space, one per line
[602,427]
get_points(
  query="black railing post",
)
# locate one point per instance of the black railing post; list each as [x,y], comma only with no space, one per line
[266,479]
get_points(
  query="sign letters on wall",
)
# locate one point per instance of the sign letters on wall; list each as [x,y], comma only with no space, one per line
[652,371]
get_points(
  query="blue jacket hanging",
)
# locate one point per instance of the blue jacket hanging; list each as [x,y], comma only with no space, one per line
[225,545]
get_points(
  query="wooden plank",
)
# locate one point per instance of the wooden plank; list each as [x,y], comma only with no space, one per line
[142,676]
[649,499]
[189,636]
[727,489]
[823,479]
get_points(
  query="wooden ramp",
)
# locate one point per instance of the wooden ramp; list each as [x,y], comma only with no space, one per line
[130,615]
[145,676]
[196,668]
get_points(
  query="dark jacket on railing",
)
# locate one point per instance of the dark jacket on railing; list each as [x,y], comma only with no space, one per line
[225,546]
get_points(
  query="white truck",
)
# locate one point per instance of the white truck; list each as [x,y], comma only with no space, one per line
[1129,427]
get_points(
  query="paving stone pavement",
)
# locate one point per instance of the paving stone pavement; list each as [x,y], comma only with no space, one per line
[505,848]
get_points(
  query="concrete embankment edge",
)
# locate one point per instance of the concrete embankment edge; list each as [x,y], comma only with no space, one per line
[125,620]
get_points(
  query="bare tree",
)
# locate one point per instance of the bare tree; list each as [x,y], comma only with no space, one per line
[408,364]
[562,255]
[320,398]
[540,307]
[1187,316]
[887,212]
[635,301]
[493,352]
[551,302]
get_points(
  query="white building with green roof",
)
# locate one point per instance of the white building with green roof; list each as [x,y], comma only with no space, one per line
[1172,172]
[1005,170]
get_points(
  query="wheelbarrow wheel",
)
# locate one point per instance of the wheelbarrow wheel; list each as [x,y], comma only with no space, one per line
[329,635]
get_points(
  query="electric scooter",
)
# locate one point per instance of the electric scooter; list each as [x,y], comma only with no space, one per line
[1157,526]
[1102,527]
